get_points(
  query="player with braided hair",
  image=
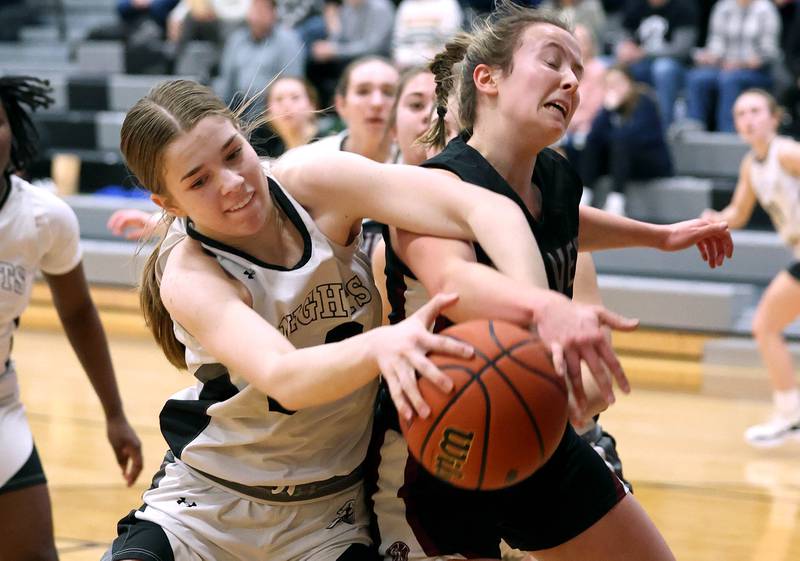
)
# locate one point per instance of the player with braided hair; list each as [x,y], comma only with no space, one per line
[40,232]
[515,79]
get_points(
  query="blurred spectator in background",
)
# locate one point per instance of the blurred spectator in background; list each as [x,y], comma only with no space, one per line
[134,15]
[626,141]
[14,14]
[661,36]
[356,28]
[592,93]
[421,29]
[791,97]
[258,53]
[742,45]
[291,117]
[202,20]
[304,16]
[589,13]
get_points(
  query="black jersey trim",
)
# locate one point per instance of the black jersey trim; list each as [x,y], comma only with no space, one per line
[7,193]
[288,208]
[183,420]
[495,182]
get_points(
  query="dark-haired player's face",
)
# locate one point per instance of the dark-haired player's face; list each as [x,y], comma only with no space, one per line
[5,140]
[214,176]
[541,91]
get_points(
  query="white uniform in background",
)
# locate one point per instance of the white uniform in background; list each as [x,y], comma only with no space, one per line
[38,231]
[779,193]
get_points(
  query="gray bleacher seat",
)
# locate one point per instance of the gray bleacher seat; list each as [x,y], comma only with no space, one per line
[109,124]
[670,199]
[127,89]
[757,258]
[707,154]
[101,57]
[20,53]
[113,262]
[94,211]
[677,304]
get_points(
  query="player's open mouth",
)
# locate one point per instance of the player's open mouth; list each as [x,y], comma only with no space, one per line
[557,106]
[242,204]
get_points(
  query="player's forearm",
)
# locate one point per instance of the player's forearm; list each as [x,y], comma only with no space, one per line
[321,374]
[88,340]
[499,221]
[485,293]
[602,230]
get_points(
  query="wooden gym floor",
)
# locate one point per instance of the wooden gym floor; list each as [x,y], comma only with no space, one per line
[713,497]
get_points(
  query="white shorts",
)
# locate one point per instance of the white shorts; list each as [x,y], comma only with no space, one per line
[198,519]
[16,440]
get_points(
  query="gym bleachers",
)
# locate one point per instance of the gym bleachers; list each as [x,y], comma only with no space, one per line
[671,292]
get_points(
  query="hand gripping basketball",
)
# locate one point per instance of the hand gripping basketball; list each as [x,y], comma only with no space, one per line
[402,354]
[503,420]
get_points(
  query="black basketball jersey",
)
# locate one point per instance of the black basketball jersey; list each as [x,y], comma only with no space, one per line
[556,230]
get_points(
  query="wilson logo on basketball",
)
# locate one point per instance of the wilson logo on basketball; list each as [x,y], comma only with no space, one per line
[454,450]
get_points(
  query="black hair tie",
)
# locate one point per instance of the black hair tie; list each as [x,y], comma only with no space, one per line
[441,111]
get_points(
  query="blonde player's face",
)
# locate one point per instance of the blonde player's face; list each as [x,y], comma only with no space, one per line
[214,176]
[753,119]
[414,116]
[288,104]
[540,93]
[368,101]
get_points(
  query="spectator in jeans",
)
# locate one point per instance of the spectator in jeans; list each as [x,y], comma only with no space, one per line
[202,20]
[255,55]
[626,141]
[743,38]
[661,35]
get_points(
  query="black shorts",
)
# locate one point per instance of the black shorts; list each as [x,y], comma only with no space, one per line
[566,496]
[794,270]
[30,474]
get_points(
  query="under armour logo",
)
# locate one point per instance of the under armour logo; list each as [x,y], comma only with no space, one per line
[249,273]
[183,501]
[346,514]
[398,551]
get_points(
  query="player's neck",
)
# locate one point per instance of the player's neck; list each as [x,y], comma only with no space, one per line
[515,163]
[761,148]
[376,151]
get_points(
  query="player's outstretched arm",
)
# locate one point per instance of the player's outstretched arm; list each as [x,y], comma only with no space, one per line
[78,315]
[215,309]
[574,332]
[602,230]
[417,200]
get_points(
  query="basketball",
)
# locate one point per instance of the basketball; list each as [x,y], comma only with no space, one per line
[504,417]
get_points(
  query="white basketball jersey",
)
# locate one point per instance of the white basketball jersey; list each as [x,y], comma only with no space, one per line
[779,193]
[228,429]
[37,231]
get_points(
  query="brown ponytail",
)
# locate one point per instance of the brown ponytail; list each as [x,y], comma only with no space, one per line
[155,314]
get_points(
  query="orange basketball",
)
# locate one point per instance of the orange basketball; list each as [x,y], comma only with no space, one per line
[504,417]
